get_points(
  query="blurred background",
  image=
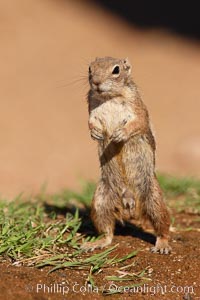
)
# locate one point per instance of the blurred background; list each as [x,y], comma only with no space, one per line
[45,49]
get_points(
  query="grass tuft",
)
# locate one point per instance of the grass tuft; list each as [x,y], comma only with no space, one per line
[173,186]
[185,190]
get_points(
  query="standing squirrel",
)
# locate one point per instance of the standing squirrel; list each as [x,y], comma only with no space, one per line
[119,121]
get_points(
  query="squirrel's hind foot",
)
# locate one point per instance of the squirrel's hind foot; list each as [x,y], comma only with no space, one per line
[99,244]
[161,246]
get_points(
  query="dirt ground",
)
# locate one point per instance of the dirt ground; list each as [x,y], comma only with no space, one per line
[45,49]
[172,277]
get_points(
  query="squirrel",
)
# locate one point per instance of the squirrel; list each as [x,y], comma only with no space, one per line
[128,187]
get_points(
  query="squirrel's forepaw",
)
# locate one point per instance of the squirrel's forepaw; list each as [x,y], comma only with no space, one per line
[120,135]
[96,133]
[128,203]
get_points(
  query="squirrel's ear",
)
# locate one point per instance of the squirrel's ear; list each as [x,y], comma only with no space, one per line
[127,65]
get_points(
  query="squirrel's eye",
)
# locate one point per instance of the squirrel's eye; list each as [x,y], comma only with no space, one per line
[115,70]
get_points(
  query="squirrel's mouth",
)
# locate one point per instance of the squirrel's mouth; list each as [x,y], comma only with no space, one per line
[101,88]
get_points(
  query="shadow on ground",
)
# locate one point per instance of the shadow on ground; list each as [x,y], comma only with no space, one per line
[87,227]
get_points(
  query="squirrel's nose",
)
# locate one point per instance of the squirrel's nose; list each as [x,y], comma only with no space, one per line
[96,81]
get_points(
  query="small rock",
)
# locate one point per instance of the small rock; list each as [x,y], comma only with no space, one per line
[150,270]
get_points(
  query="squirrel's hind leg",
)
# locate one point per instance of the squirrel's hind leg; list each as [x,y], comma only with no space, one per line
[103,218]
[156,211]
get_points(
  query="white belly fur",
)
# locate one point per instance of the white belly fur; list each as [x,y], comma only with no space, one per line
[111,115]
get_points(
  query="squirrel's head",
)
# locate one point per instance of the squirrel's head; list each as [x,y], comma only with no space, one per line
[107,76]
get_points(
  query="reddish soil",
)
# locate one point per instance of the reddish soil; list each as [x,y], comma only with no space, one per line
[172,277]
[45,50]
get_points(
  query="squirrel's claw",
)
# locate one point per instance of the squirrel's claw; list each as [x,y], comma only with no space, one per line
[119,135]
[166,250]
[96,134]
